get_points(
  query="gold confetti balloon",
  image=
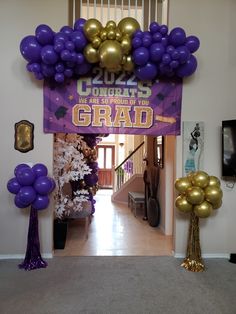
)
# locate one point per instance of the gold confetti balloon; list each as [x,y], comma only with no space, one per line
[182,184]
[195,195]
[92,28]
[91,54]
[128,26]
[183,205]
[203,210]
[213,194]
[200,179]
[110,55]
[214,181]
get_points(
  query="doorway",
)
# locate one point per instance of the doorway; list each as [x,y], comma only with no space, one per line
[106,161]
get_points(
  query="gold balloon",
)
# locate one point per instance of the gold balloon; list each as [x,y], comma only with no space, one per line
[203,210]
[111,34]
[126,45]
[182,184]
[190,175]
[128,65]
[217,205]
[111,24]
[201,179]
[96,42]
[118,35]
[92,28]
[91,54]
[183,205]
[195,195]
[213,194]
[103,34]
[128,26]
[110,54]
[214,181]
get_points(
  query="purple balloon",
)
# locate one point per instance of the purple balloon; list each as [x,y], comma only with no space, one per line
[39,75]
[82,69]
[154,27]
[141,56]
[18,203]
[175,55]
[192,43]
[13,186]
[79,40]
[66,30]
[147,72]
[25,176]
[66,55]
[70,64]
[48,70]
[20,166]
[40,202]
[136,42]
[35,67]
[156,37]
[164,41]
[40,170]
[91,179]
[59,77]
[184,54]
[174,64]
[44,34]
[69,45]
[138,34]
[80,58]
[147,41]
[59,46]
[53,185]
[177,36]
[79,24]
[60,37]
[187,68]
[163,30]
[30,49]
[26,195]
[94,166]
[166,58]
[68,72]
[156,52]
[59,67]
[49,55]
[170,49]
[43,185]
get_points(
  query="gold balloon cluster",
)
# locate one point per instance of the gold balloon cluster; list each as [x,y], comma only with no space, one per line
[90,154]
[199,193]
[110,45]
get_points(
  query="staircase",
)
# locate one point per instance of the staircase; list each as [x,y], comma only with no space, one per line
[128,175]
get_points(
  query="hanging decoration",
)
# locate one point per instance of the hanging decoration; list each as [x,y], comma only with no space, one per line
[31,187]
[200,194]
[72,52]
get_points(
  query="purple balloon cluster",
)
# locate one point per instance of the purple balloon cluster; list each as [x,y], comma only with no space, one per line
[31,186]
[157,53]
[56,55]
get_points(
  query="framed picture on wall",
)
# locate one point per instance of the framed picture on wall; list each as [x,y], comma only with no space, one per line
[158,145]
[193,146]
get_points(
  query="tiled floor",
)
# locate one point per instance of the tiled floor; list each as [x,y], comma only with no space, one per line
[115,231]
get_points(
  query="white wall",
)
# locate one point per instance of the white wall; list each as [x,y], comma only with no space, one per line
[209,96]
[22,98]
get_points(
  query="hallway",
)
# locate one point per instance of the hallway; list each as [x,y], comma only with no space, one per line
[115,231]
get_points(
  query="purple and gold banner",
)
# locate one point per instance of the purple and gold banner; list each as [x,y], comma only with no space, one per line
[108,103]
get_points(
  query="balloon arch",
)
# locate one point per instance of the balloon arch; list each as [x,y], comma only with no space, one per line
[73,52]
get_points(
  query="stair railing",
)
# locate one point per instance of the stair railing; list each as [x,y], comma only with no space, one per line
[131,165]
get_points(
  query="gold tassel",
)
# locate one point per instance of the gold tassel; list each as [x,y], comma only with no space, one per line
[193,261]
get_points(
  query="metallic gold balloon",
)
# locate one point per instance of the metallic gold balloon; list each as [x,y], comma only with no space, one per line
[128,65]
[201,179]
[182,184]
[217,205]
[195,195]
[183,205]
[103,34]
[203,210]
[118,35]
[110,54]
[126,45]
[128,26]
[213,194]
[111,34]
[214,181]
[92,28]
[111,24]
[96,42]
[91,54]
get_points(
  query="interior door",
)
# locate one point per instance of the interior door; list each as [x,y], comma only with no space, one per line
[106,159]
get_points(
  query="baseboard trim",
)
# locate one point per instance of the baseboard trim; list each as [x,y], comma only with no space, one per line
[22,256]
[220,255]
